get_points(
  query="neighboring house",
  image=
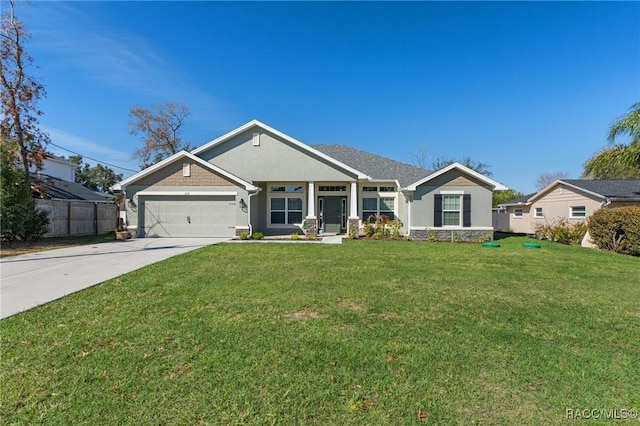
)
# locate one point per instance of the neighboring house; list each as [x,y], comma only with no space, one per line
[256,178]
[50,187]
[570,199]
[58,168]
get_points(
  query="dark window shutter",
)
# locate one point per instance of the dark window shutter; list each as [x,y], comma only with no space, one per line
[466,210]
[437,210]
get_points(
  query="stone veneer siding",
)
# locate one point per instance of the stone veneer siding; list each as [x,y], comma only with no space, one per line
[171,175]
[464,235]
[354,224]
[312,227]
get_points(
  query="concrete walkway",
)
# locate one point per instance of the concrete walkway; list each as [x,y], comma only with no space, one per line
[34,279]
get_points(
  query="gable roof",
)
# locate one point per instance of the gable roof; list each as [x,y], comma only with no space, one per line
[613,189]
[175,157]
[295,142]
[520,200]
[377,167]
[55,187]
[496,185]
[607,189]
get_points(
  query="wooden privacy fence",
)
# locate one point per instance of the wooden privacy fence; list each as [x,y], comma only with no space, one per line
[68,218]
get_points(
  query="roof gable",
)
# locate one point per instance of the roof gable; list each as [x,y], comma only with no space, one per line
[482,178]
[304,147]
[176,157]
[611,189]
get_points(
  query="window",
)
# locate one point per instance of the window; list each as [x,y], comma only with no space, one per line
[578,212]
[255,140]
[286,211]
[517,213]
[285,204]
[369,189]
[294,188]
[374,206]
[329,188]
[451,210]
[537,212]
[387,189]
[186,169]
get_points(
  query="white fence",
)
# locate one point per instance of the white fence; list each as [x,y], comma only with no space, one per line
[68,218]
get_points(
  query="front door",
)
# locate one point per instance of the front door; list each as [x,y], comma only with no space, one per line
[333,214]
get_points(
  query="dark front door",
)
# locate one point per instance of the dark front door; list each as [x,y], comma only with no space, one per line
[333,214]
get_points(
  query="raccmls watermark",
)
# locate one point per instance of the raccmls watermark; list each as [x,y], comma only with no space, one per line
[601,413]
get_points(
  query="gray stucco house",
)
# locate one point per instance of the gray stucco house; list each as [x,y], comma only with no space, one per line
[256,178]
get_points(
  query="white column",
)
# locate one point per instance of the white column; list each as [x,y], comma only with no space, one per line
[353,205]
[311,201]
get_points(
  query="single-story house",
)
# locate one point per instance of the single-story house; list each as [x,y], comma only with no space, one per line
[256,178]
[570,199]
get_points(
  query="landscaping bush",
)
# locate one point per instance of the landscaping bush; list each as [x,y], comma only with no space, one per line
[562,231]
[616,229]
[258,235]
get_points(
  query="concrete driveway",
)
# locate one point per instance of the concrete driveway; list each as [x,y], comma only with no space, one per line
[34,279]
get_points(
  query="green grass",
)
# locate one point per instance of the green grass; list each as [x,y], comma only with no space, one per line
[359,333]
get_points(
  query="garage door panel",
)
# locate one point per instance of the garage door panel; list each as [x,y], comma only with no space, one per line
[211,216]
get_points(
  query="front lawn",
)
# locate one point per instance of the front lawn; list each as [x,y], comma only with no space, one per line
[365,332]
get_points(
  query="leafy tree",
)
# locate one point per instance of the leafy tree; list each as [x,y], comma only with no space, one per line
[98,178]
[619,161]
[500,197]
[547,179]
[20,95]
[478,166]
[160,130]
[19,217]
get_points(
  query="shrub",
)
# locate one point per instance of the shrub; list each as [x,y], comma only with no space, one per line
[258,235]
[562,231]
[396,226]
[617,229]
[351,234]
[367,228]
[243,235]
[295,236]
[20,218]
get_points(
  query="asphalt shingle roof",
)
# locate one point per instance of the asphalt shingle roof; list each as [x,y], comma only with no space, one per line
[61,189]
[375,166]
[628,189]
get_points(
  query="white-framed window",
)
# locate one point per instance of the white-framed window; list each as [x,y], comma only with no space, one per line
[286,204]
[332,188]
[517,212]
[451,210]
[537,212]
[372,206]
[186,169]
[578,212]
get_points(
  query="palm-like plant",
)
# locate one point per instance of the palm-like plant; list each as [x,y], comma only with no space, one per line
[619,161]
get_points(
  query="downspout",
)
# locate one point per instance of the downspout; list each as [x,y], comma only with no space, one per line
[249,209]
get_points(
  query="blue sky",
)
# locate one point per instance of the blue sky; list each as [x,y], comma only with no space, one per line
[526,87]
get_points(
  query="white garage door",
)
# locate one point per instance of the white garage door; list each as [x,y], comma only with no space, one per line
[189,216]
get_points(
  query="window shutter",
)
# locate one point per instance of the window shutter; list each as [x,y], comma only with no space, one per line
[466,210]
[437,210]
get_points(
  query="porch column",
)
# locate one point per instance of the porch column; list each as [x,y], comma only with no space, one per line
[353,205]
[311,201]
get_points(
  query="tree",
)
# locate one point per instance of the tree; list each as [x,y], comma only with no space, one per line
[98,178]
[500,197]
[547,179]
[420,157]
[160,130]
[478,166]
[19,218]
[619,161]
[20,95]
